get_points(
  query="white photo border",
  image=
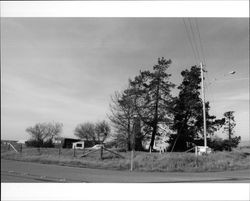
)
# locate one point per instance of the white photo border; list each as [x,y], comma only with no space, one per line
[175,192]
[125,8]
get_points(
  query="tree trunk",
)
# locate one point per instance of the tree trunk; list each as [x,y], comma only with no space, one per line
[153,137]
[155,116]
[229,129]
[129,137]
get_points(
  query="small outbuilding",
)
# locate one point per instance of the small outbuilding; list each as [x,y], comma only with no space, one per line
[64,142]
[78,145]
[21,142]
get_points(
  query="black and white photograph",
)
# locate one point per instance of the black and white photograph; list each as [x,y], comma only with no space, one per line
[125,100]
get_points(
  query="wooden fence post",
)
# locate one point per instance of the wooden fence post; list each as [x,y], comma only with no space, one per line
[74,155]
[101,153]
[132,160]
[59,151]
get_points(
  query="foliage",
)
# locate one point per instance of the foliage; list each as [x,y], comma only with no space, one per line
[97,132]
[219,144]
[151,96]
[43,133]
[229,123]
[187,112]
[34,143]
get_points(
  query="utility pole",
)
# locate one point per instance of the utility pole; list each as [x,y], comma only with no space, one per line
[204,109]
[133,143]
[133,150]
[229,129]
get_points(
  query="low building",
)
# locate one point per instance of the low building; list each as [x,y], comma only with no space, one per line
[68,142]
[78,145]
[21,142]
[64,142]
[5,142]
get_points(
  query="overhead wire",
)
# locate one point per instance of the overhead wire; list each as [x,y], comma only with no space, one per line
[190,42]
[207,81]
[201,44]
[195,49]
[194,39]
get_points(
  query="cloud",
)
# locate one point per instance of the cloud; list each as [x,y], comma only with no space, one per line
[25,102]
[66,69]
[233,96]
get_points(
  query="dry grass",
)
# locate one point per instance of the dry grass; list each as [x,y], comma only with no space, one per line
[188,162]
[167,162]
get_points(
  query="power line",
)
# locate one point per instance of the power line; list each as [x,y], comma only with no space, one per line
[190,41]
[201,45]
[196,35]
[203,57]
[194,38]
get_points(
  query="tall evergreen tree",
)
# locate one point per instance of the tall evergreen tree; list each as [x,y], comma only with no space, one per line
[229,124]
[187,110]
[151,96]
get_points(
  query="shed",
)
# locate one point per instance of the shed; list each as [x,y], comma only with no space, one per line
[64,142]
[78,145]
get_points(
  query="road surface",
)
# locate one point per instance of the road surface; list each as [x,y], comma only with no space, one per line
[27,172]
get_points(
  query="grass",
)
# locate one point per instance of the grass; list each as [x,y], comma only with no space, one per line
[143,161]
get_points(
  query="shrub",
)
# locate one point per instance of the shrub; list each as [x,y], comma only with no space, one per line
[219,144]
[35,143]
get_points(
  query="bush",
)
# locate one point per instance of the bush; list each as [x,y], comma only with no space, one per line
[35,143]
[111,144]
[219,144]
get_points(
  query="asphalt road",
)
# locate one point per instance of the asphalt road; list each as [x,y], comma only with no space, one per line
[27,172]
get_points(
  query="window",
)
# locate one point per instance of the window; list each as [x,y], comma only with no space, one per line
[78,145]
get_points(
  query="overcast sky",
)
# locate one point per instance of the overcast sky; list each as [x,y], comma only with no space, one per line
[66,69]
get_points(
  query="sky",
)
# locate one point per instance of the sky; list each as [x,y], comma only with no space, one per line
[66,69]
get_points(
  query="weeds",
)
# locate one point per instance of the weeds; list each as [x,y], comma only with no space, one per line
[167,162]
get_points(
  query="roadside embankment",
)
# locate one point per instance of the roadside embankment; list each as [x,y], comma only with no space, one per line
[143,161]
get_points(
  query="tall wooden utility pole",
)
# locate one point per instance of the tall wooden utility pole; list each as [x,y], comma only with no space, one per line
[204,108]
[133,144]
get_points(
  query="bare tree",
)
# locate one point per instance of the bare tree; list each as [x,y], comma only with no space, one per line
[44,132]
[102,130]
[86,131]
[95,132]
[121,116]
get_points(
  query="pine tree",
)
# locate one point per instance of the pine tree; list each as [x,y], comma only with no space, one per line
[151,96]
[229,124]
[187,111]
